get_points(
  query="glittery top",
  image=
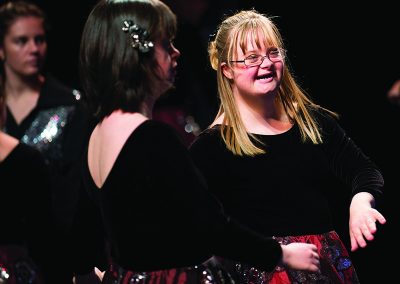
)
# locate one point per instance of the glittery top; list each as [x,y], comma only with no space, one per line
[59,128]
[51,125]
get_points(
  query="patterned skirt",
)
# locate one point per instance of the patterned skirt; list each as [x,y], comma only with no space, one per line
[336,266]
[209,272]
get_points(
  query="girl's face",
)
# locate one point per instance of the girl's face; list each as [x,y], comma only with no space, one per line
[257,70]
[24,47]
[166,55]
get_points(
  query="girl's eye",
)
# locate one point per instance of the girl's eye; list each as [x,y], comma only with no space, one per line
[21,40]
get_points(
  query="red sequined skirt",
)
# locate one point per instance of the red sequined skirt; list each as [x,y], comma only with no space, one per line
[209,272]
[336,266]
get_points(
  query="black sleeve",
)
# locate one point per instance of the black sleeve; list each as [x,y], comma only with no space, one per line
[221,234]
[38,207]
[347,160]
[66,177]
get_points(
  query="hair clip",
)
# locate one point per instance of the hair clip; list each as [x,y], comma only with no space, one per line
[138,36]
[211,37]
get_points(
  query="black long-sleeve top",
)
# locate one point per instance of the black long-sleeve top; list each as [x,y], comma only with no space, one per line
[25,203]
[286,190]
[157,213]
[58,126]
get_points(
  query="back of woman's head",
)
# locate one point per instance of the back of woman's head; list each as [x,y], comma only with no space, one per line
[117,64]
[12,10]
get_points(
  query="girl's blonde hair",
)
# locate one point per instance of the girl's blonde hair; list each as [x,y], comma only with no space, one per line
[232,32]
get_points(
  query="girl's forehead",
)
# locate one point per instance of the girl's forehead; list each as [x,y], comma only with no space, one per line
[253,39]
[26,23]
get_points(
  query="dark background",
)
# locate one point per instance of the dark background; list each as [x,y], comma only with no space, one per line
[346,58]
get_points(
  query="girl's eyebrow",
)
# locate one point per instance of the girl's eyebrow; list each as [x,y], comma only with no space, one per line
[251,51]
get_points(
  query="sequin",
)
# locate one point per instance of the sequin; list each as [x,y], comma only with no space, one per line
[45,132]
[344,263]
[207,273]
[336,266]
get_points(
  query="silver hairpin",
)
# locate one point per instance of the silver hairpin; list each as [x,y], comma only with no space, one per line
[138,36]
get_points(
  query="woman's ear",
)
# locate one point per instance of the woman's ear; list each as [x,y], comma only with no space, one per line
[227,71]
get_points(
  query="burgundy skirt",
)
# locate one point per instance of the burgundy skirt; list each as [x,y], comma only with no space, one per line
[209,272]
[336,266]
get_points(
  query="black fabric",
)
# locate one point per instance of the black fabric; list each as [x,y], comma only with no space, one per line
[158,214]
[287,190]
[62,154]
[75,134]
[52,94]
[25,200]
[63,157]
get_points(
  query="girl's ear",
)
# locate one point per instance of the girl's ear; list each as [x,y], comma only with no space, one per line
[227,71]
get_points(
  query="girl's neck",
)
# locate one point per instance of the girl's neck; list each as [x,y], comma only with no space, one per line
[16,86]
[146,107]
[263,115]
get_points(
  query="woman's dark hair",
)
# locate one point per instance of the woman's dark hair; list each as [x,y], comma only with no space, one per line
[114,74]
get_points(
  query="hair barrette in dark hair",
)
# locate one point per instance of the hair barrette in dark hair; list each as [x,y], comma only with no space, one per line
[138,36]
